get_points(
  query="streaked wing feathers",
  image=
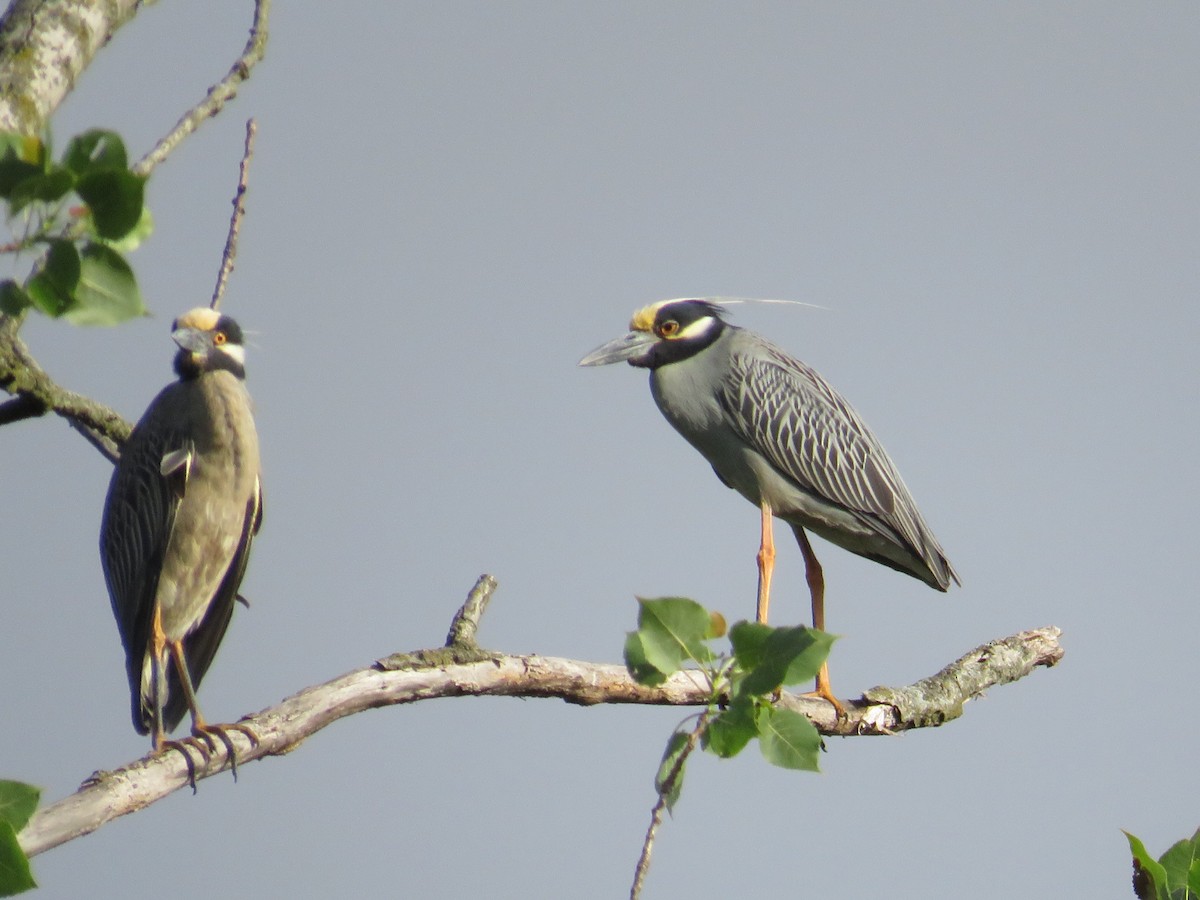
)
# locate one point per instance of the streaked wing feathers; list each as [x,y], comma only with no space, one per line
[139,516]
[790,415]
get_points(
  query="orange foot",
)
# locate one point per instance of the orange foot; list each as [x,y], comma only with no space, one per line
[825,692]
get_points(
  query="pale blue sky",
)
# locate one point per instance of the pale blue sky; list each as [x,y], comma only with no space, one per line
[450,204]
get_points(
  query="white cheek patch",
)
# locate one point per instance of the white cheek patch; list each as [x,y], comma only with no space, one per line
[697,329]
[236,352]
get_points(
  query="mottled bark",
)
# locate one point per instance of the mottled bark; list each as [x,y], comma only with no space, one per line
[459,670]
[44,46]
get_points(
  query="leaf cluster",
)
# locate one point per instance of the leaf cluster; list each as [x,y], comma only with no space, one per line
[82,213]
[676,632]
[17,803]
[1173,876]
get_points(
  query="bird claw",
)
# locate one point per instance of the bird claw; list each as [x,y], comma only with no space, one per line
[839,711]
[203,740]
[182,747]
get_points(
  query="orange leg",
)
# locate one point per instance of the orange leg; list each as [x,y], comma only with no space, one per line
[158,676]
[201,730]
[766,564]
[815,576]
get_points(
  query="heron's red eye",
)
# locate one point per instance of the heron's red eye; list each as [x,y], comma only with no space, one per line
[219,338]
[668,328]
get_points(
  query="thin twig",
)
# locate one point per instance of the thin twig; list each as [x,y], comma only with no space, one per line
[218,95]
[664,791]
[235,220]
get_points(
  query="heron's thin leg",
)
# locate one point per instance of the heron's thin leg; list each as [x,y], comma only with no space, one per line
[158,676]
[815,576]
[185,681]
[766,563]
[201,730]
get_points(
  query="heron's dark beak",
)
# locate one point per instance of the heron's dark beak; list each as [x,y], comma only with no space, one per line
[623,348]
[192,340]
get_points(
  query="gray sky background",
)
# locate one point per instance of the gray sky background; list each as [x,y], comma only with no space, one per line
[452,203]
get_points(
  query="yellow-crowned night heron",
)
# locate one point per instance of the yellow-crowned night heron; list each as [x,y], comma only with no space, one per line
[183,506]
[777,433]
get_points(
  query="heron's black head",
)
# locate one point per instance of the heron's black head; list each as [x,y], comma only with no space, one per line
[208,341]
[662,333]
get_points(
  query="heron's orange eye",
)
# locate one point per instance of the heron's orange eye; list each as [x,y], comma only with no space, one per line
[219,338]
[668,328]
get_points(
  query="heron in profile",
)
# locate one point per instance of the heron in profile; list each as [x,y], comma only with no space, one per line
[776,432]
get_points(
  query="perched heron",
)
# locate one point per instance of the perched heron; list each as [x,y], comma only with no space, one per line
[182,509]
[777,433]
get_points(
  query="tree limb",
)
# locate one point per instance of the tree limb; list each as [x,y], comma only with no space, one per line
[44,47]
[463,670]
[218,95]
[21,376]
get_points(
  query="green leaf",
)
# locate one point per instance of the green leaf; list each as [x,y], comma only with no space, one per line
[133,238]
[748,639]
[673,630]
[15,876]
[44,187]
[637,664]
[108,293]
[786,656]
[731,729]
[672,756]
[21,157]
[52,287]
[17,802]
[1178,862]
[13,298]
[95,149]
[1149,876]
[787,739]
[115,198]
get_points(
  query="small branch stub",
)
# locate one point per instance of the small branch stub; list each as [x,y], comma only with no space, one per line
[465,624]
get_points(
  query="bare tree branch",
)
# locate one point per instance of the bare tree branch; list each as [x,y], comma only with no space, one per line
[218,95]
[666,788]
[235,219]
[464,670]
[21,376]
[22,406]
[44,47]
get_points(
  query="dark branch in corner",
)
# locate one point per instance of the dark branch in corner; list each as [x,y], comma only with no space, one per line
[462,669]
[35,393]
[23,406]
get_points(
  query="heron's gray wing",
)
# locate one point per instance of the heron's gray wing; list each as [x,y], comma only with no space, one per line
[790,415]
[139,513]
